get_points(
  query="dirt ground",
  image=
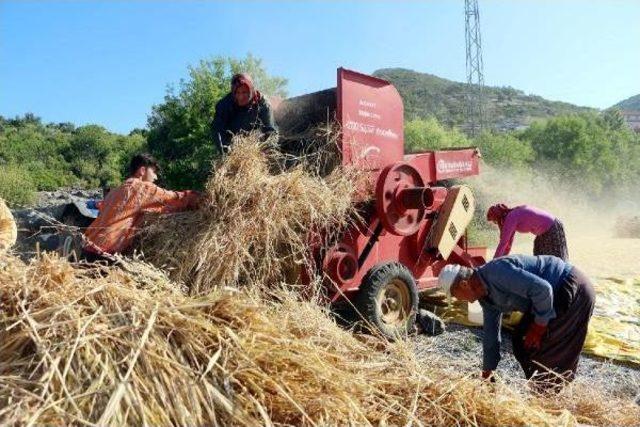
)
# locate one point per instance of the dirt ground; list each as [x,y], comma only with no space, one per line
[597,253]
[463,346]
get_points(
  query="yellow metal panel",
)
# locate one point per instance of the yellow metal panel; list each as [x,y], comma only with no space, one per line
[455,215]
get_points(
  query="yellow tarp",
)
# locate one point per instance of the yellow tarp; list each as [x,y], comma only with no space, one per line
[614,330]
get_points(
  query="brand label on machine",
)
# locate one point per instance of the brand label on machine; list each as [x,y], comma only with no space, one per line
[444,166]
[367,129]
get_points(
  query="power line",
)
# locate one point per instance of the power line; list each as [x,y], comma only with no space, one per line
[475,77]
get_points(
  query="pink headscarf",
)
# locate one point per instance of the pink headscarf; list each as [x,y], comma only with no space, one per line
[497,213]
[244,79]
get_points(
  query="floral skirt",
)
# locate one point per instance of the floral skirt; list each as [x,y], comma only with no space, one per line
[552,242]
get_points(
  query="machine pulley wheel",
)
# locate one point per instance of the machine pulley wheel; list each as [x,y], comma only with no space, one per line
[397,218]
[341,264]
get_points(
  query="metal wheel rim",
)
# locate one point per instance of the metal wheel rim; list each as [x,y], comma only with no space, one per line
[394,302]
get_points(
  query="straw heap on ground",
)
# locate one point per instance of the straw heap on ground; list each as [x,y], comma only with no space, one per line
[88,346]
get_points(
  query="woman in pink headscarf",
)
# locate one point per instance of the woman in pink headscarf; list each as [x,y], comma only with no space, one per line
[550,237]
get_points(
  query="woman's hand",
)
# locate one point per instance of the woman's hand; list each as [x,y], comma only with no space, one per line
[533,338]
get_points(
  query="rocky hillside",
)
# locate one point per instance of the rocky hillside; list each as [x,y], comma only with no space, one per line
[631,103]
[507,108]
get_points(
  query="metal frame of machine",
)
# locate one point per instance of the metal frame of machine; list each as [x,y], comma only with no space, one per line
[414,226]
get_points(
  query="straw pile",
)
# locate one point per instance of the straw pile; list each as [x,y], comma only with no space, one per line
[316,148]
[255,223]
[101,346]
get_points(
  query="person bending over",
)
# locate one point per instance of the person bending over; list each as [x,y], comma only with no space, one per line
[549,231]
[556,298]
[243,110]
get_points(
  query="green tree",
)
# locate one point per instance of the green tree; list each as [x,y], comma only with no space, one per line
[505,150]
[58,155]
[586,149]
[98,157]
[16,186]
[36,149]
[93,157]
[614,119]
[429,134]
[129,146]
[179,129]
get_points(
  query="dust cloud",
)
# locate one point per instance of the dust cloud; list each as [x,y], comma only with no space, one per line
[589,221]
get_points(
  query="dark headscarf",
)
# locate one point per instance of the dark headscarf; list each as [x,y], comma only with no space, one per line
[244,79]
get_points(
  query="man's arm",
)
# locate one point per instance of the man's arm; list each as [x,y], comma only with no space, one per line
[491,338]
[159,200]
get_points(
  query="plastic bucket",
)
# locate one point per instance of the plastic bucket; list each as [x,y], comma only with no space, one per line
[474,310]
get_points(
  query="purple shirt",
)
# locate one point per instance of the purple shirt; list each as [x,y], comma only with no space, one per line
[523,219]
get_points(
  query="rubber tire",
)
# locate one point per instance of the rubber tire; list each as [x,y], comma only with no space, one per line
[377,278]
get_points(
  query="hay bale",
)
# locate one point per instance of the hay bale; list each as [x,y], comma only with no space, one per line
[255,223]
[82,346]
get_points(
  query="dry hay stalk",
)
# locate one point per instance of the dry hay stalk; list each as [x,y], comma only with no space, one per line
[254,225]
[92,347]
[317,148]
[591,405]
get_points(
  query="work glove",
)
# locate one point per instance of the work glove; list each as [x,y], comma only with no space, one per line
[533,338]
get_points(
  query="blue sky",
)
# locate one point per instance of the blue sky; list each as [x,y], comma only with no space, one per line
[109,62]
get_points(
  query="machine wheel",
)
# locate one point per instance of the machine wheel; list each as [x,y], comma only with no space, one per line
[388,299]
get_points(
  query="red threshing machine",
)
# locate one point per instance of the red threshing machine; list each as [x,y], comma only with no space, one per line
[414,226]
